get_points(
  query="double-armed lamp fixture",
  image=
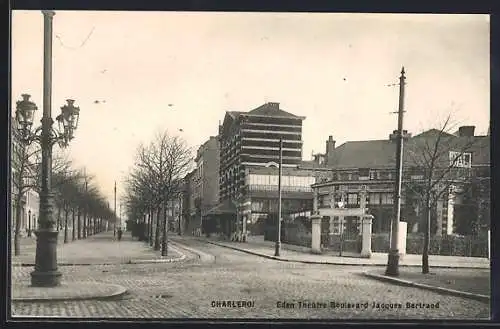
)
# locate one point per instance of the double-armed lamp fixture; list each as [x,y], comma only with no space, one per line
[67,121]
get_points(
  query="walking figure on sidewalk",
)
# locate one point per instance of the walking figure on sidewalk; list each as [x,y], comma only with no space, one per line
[119,233]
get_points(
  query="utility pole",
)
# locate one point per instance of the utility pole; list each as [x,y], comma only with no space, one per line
[114,226]
[278,237]
[393,256]
[85,209]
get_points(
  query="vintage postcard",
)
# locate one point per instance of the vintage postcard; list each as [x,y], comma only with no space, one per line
[223,165]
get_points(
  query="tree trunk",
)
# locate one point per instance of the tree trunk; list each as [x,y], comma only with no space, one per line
[151,221]
[145,228]
[157,233]
[164,242]
[17,227]
[73,221]
[84,224]
[66,225]
[180,219]
[88,233]
[91,225]
[427,235]
[79,223]
[59,224]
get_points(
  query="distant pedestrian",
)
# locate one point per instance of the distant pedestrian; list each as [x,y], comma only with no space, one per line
[119,233]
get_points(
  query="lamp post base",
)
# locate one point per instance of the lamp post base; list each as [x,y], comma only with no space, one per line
[393,263]
[277,248]
[46,273]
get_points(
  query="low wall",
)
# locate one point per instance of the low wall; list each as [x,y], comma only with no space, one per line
[466,246]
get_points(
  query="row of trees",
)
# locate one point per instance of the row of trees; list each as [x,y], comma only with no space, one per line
[154,183]
[77,200]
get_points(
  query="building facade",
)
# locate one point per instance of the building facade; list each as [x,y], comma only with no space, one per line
[203,183]
[188,209]
[30,199]
[249,153]
[369,166]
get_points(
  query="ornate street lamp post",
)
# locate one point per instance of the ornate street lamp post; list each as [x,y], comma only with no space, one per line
[46,273]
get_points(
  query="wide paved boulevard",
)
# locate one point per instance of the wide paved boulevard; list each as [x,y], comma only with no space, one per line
[207,287]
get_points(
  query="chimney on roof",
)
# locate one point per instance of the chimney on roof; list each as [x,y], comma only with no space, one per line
[273,105]
[394,135]
[330,147]
[466,131]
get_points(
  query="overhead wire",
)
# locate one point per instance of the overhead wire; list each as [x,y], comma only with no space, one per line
[82,43]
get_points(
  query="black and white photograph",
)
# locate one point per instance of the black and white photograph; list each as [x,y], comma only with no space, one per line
[249,165]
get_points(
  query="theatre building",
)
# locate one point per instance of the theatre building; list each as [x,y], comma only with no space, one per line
[248,175]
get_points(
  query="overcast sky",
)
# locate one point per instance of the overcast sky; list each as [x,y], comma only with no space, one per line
[331,68]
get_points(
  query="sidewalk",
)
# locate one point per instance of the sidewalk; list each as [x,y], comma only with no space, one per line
[101,248]
[257,246]
[98,249]
[467,283]
[28,243]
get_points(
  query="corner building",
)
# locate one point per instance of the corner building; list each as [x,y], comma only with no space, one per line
[248,181]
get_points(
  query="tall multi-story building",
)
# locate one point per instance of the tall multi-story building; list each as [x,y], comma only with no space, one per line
[369,166]
[249,152]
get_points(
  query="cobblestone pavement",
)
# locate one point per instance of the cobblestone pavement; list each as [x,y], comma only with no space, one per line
[189,290]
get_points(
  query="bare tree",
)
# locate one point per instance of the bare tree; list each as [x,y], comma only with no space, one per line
[436,162]
[24,179]
[158,174]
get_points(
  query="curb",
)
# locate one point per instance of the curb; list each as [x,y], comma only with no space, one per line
[160,260]
[203,256]
[137,261]
[120,291]
[452,292]
[128,262]
[331,263]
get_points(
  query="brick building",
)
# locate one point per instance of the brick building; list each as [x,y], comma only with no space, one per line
[370,166]
[248,184]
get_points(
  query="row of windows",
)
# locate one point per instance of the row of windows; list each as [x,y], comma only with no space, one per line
[275,153]
[354,199]
[256,126]
[276,144]
[257,159]
[271,120]
[387,175]
[288,206]
[303,181]
[267,135]
[371,175]
[270,188]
